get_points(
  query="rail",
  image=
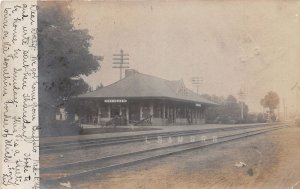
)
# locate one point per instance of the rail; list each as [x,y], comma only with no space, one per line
[82,169]
[73,145]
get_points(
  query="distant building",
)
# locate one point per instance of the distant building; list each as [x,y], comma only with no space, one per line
[139,97]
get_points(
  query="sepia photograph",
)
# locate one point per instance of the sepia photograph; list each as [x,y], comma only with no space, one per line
[169,94]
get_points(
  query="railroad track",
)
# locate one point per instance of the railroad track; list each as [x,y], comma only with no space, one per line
[83,169]
[74,145]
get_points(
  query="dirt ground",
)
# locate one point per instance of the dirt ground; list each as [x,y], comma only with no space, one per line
[82,154]
[273,161]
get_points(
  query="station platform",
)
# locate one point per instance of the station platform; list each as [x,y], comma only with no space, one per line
[133,132]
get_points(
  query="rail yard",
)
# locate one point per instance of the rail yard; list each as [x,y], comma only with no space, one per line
[75,161]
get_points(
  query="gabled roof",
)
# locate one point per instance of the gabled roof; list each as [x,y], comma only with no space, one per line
[138,85]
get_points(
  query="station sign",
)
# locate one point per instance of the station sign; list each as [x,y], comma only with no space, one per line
[115,100]
[198,105]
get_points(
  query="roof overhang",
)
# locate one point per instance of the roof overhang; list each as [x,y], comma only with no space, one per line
[152,98]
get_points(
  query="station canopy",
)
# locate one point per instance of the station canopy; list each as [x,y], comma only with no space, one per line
[142,86]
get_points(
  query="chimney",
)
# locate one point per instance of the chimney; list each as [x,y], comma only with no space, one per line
[129,72]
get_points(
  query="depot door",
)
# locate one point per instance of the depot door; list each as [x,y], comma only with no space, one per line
[134,112]
[115,110]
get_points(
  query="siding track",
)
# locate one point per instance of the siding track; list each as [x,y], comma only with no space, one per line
[84,169]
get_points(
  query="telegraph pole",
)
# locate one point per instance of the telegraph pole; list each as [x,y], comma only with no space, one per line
[279,117]
[197,81]
[242,95]
[297,87]
[120,61]
[284,110]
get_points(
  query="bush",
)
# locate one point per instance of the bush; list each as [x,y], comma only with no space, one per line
[225,120]
[260,118]
[61,128]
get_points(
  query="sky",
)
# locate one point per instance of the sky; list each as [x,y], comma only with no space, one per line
[232,45]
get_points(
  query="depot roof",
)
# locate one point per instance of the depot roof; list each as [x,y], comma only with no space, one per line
[138,85]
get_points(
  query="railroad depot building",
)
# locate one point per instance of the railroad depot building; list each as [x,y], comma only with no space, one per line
[144,99]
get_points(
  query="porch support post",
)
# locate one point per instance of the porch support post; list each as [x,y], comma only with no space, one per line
[185,114]
[141,111]
[164,111]
[193,115]
[108,109]
[175,112]
[127,113]
[151,108]
[99,115]
[198,116]
[168,112]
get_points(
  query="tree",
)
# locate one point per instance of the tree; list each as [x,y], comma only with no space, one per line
[63,57]
[227,111]
[232,109]
[231,99]
[271,101]
[99,86]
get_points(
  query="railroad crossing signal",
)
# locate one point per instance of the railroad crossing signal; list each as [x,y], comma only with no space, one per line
[120,61]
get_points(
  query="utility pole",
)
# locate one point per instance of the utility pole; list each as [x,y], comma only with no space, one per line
[197,81]
[284,110]
[242,95]
[120,61]
[279,118]
[297,87]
